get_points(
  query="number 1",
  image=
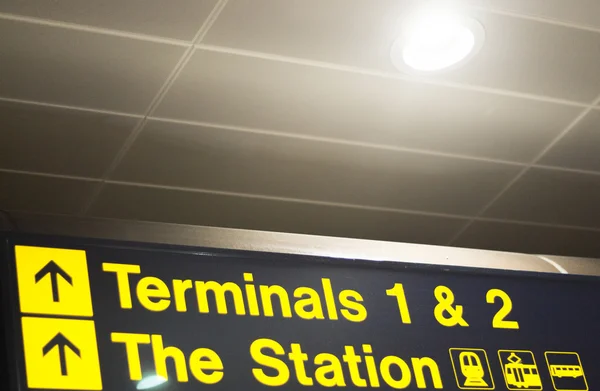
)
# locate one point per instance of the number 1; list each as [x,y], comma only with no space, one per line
[398,292]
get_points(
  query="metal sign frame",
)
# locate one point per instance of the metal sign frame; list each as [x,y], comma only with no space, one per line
[283,243]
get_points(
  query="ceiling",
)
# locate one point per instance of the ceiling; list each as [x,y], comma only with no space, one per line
[289,116]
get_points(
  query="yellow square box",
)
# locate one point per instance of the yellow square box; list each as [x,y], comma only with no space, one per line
[566,365]
[520,370]
[471,369]
[61,354]
[53,281]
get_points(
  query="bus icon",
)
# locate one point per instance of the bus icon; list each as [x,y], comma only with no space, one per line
[566,371]
[520,370]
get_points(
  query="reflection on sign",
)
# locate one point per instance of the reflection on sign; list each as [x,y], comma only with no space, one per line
[150,381]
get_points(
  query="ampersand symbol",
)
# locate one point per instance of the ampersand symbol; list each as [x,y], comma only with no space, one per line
[444,312]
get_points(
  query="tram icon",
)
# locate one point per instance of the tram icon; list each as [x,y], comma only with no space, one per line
[471,369]
[520,370]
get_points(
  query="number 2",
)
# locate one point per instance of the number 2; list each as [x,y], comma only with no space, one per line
[498,322]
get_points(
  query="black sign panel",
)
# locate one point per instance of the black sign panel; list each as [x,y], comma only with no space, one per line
[87,315]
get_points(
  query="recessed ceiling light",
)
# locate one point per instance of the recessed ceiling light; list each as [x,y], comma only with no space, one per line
[436,39]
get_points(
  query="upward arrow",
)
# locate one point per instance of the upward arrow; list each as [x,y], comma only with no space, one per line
[61,343]
[54,271]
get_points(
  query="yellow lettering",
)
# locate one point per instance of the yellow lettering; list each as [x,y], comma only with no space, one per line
[283,372]
[334,367]
[206,366]
[219,291]
[329,299]
[266,293]
[371,367]
[153,288]
[429,363]
[253,309]
[308,307]
[123,288]
[179,289]
[398,292]
[160,359]
[354,312]
[353,360]
[298,357]
[132,342]
[384,369]
[498,322]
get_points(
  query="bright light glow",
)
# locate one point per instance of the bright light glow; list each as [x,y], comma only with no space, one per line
[433,40]
[150,382]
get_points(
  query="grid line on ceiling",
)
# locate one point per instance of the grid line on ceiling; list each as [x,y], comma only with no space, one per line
[337,141]
[139,127]
[309,202]
[353,206]
[50,175]
[389,75]
[306,62]
[363,144]
[536,18]
[69,107]
[306,137]
[524,170]
[100,30]
[93,29]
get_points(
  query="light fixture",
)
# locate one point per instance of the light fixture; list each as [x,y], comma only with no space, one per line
[436,39]
[150,381]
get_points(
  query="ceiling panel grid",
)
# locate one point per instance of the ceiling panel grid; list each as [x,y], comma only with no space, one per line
[289,116]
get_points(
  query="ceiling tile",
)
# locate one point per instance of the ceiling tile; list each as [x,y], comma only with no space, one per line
[217,159]
[359,32]
[237,90]
[43,194]
[518,54]
[139,203]
[532,57]
[580,147]
[531,239]
[180,19]
[59,141]
[550,196]
[83,69]
[578,12]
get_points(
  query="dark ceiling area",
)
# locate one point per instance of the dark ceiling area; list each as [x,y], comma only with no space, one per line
[289,116]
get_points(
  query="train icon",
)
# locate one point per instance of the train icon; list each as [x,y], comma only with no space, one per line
[471,369]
